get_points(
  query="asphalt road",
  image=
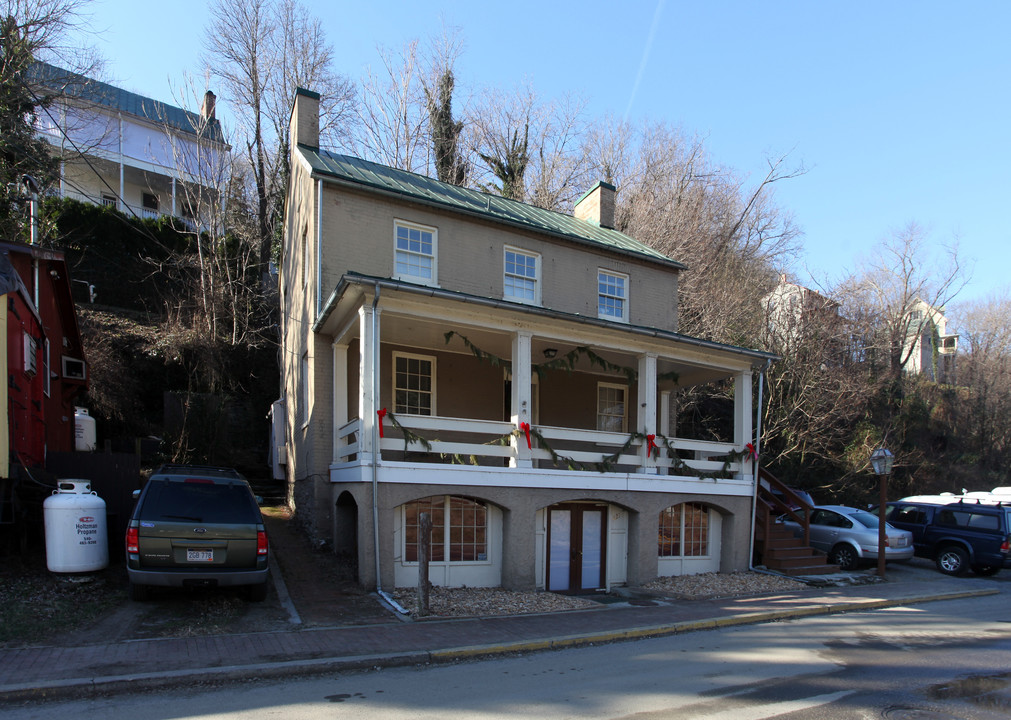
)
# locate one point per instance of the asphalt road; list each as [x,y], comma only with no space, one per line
[938,660]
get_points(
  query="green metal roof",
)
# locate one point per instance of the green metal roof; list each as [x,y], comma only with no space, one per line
[71,84]
[493,207]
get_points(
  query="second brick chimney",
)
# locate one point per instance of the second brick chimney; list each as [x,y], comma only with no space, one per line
[597,205]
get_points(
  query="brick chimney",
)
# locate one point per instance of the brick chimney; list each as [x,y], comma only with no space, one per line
[304,127]
[597,205]
[207,109]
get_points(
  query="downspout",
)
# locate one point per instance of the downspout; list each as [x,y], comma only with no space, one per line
[319,250]
[375,457]
[758,446]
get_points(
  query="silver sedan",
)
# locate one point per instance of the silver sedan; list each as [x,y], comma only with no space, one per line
[849,535]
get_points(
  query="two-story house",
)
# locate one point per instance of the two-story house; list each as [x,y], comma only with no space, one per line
[117,148]
[931,349]
[509,371]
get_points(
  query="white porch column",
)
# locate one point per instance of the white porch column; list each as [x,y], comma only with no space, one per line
[521,398]
[743,423]
[646,410]
[340,394]
[368,374]
[175,213]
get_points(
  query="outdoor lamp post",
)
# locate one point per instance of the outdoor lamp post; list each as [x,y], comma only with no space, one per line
[881,461]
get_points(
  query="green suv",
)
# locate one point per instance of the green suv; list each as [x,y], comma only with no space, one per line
[196,526]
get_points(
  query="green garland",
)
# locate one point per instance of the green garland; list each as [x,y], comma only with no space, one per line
[606,463]
[566,362]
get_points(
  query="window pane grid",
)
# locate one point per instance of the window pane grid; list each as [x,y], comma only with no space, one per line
[413,385]
[520,276]
[684,531]
[459,529]
[610,295]
[610,408]
[415,253]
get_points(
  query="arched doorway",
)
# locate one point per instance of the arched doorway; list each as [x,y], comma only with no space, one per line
[345,536]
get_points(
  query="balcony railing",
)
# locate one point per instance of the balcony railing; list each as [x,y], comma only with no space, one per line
[495,444]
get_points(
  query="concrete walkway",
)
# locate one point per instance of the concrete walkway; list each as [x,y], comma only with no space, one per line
[105,668]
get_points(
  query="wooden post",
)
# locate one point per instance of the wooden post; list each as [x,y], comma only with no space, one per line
[424,555]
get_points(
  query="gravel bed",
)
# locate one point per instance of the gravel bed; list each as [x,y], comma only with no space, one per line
[720,585]
[483,602]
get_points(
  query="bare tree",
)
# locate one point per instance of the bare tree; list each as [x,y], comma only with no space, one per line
[892,297]
[447,132]
[393,113]
[985,381]
[261,51]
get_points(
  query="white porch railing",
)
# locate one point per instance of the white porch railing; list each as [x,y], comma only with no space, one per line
[490,443]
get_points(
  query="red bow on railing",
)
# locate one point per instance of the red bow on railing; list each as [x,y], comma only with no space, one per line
[525,427]
[751,451]
[381,414]
[650,444]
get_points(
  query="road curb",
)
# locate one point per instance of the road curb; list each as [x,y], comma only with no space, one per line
[140,682]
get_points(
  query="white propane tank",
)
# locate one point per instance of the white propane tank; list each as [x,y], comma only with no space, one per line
[85,437]
[76,538]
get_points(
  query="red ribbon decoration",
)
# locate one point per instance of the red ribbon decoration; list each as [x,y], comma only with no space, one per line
[526,430]
[381,414]
[650,444]
[751,451]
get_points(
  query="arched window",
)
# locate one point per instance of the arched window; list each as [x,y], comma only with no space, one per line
[684,531]
[459,529]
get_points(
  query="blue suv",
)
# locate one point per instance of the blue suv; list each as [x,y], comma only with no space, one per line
[957,535]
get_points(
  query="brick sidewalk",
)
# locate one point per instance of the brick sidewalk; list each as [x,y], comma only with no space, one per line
[45,672]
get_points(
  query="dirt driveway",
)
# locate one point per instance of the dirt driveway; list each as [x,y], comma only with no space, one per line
[320,596]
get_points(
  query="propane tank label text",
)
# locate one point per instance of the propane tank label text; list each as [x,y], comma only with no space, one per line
[87,531]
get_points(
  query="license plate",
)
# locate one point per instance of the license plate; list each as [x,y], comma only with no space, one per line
[897,542]
[199,555]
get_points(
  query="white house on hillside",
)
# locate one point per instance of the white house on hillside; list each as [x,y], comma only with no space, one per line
[931,348]
[139,155]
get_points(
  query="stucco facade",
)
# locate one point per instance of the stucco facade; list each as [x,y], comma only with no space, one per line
[508,371]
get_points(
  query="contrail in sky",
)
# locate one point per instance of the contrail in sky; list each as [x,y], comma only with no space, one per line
[645,56]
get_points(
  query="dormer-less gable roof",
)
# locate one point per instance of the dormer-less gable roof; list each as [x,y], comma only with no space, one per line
[374,177]
[72,85]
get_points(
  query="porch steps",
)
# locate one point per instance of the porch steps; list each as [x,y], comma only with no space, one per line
[788,555]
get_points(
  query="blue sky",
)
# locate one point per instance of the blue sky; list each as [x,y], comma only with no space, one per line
[898,109]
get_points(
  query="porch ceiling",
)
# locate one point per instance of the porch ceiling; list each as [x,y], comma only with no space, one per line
[418,318]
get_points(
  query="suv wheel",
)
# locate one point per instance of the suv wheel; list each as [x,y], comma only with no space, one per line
[952,560]
[844,556]
[986,570]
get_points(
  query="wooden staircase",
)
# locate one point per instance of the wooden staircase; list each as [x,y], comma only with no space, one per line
[775,545]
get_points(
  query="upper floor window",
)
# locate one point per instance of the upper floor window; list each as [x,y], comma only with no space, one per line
[415,254]
[414,384]
[522,276]
[612,296]
[611,407]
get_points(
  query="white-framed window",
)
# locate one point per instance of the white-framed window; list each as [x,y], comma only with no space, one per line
[611,407]
[109,200]
[522,276]
[459,529]
[31,346]
[413,384]
[684,531]
[415,253]
[612,295]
